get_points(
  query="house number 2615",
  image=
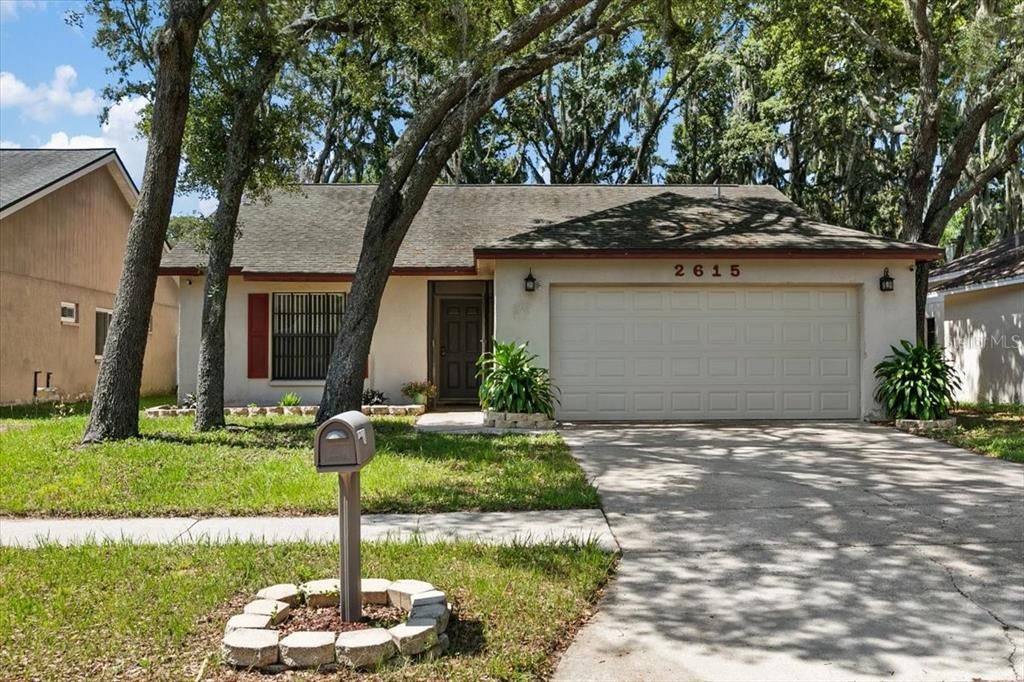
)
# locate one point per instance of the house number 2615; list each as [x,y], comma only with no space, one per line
[699,270]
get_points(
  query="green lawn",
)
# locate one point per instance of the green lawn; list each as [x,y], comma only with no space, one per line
[264,466]
[49,408]
[121,611]
[995,430]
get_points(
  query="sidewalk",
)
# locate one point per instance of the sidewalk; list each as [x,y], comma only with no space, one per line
[531,527]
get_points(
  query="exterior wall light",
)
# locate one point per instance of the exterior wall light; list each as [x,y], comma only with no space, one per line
[885,282]
[530,282]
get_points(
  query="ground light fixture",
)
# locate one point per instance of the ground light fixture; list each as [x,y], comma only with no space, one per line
[530,282]
[885,282]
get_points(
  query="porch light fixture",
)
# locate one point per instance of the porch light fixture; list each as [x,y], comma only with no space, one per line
[530,282]
[885,282]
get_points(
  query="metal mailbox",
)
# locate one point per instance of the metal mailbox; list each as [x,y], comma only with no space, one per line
[344,443]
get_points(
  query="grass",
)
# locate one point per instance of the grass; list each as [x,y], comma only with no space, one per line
[49,408]
[118,611]
[994,430]
[264,466]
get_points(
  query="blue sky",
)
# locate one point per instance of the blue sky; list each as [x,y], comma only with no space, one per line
[51,83]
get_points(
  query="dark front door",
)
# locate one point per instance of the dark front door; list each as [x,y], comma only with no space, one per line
[461,334]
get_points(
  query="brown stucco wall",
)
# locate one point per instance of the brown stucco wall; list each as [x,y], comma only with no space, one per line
[68,246]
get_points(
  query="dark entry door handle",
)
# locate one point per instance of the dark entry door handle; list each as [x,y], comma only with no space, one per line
[443,351]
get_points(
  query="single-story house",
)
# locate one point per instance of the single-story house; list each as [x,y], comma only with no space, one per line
[64,217]
[976,311]
[646,302]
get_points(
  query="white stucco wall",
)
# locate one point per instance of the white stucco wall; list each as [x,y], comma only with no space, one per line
[398,353]
[983,333]
[885,318]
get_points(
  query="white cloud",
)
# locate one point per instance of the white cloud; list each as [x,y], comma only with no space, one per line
[120,131]
[44,101]
[9,9]
[207,206]
[8,144]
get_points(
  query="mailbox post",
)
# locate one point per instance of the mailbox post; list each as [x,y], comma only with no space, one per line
[345,444]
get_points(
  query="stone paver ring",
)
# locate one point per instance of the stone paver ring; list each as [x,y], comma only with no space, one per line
[251,639]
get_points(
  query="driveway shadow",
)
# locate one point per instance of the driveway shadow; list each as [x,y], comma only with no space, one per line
[803,551]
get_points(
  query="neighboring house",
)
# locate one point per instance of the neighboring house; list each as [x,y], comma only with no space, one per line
[650,302]
[64,218]
[976,311]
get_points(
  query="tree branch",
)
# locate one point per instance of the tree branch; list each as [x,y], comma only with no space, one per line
[1000,165]
[960,151]
[874,41]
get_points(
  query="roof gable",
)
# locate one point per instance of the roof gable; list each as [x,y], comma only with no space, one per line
[29,174]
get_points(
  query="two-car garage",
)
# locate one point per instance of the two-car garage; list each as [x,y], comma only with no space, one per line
[712,352]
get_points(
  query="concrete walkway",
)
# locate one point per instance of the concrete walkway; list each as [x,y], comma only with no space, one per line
[489,527]
[466,422]
[802,552]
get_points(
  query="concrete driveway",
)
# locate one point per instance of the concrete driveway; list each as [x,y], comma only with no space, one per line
[804,551]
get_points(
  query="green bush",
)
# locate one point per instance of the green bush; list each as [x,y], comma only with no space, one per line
[374,397]
[916,382]
[290,400]
[509,381]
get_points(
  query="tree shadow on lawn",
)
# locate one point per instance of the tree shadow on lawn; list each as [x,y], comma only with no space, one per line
[395,437]
[248,436]
[551,560]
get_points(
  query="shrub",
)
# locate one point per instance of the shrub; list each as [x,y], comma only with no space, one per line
[290,400]
[916,382]
[414,389]
[189,401]
[509,381]
[374,397]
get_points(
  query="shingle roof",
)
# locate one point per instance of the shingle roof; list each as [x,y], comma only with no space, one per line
[23,172]
[318,228]
[748,218]
[1002,260]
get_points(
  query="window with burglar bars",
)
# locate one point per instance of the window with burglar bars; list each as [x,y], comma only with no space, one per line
[303,329]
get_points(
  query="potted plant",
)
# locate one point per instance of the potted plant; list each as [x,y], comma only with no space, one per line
[514,391]
[419,392]
[916,385]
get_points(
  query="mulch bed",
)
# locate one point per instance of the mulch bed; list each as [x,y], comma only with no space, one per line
[329,620]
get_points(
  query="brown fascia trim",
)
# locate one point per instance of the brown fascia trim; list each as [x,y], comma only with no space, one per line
[522,254]
[320,276]
[179,271]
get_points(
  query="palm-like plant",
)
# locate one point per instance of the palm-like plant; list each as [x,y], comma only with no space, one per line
[916,382]
[509,381]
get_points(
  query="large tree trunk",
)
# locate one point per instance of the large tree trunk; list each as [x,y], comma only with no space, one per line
[115,408]
[210,373]
[429,140]
[237,170]
[240,155]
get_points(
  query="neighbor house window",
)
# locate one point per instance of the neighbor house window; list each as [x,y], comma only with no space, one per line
[931,336]
[69,313]
[103,318]
[303,328]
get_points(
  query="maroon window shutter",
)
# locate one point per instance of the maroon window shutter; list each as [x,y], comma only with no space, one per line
[259,335]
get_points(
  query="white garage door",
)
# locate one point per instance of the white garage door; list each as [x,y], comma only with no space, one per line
[705,353]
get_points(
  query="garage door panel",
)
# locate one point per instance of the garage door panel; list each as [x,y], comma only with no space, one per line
[649,353]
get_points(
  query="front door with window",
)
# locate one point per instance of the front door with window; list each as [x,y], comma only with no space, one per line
[461,327]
